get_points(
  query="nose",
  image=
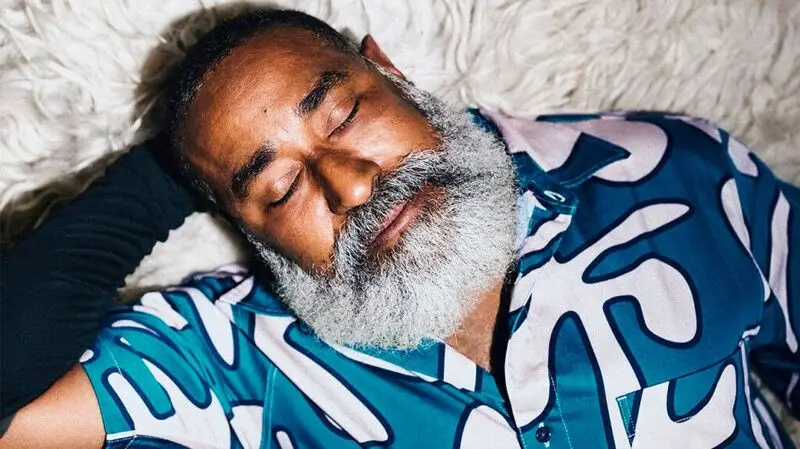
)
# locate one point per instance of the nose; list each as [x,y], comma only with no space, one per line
[347,181]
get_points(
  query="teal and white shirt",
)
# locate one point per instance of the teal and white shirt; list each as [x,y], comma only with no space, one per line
[658,260]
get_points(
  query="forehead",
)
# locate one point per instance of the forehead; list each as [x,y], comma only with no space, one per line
[252,85]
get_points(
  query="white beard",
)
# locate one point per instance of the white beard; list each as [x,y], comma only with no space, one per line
[452,253]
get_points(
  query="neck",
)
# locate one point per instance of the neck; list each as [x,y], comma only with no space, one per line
[483,333]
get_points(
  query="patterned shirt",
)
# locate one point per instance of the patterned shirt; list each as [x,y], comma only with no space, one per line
[658,258]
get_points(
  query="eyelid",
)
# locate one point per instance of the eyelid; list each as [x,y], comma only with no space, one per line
[287,196]
[347,121]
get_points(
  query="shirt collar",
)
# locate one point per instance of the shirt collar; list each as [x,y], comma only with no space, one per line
[551,152]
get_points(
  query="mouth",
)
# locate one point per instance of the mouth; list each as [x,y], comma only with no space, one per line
[398,220]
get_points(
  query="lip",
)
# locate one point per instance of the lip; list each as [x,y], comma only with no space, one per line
[397,221]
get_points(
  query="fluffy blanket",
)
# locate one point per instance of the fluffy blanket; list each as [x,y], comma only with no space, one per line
[79,80]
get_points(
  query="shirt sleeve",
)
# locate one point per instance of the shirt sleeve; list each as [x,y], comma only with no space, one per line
[771,228]
[59,281]
[154,374]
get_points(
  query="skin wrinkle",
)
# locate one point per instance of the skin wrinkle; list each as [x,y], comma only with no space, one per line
[318,242]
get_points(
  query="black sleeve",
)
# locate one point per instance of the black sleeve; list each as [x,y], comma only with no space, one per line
[60,279]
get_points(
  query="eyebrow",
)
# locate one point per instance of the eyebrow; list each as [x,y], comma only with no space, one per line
[326,81]
[243,176]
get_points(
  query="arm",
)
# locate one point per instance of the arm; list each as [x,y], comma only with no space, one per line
[59,281]
[66,416]
[771,212]
[151,379]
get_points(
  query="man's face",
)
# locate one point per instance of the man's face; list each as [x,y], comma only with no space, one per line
[382,212]
[292,135]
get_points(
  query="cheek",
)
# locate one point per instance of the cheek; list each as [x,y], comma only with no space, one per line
[394,130]
[305,233]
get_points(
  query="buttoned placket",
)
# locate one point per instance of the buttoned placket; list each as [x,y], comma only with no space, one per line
[549,208]
[548,204]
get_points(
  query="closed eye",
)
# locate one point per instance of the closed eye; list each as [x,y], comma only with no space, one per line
[348,120]
[286,196]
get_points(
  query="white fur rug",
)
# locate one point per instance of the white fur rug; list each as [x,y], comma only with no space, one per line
[77,75]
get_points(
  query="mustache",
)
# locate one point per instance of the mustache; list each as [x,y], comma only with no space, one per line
[404,182]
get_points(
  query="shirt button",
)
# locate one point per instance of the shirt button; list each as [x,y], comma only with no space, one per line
[555,196]
[543,434]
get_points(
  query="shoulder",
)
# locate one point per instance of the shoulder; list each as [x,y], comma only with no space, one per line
[233,286]
[689,141]
[201,298]
[684,128]
[640,127]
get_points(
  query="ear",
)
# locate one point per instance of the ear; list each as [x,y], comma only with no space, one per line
[371,51]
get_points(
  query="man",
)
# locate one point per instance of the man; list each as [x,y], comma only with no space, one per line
[440,278]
